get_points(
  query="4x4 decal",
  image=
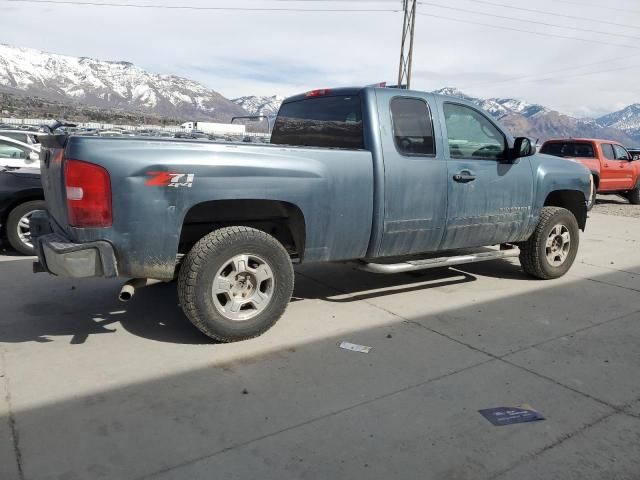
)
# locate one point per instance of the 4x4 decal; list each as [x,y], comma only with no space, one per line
[170,179]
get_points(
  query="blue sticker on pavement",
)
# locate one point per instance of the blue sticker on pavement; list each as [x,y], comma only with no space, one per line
[521,413]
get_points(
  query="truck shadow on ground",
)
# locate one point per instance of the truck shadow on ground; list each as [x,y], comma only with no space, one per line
[79,310]
[410,406]
[612,200]
[357,285]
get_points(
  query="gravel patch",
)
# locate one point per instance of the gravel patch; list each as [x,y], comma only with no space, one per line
[615,205]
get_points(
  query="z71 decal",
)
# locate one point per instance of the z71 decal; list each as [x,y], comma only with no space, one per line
[170,179]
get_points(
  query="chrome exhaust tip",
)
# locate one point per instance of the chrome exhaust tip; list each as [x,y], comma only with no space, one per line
[128,290]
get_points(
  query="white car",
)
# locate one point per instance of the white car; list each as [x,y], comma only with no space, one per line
[28,137]
[16,154]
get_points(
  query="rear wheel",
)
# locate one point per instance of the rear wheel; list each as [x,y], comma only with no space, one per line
[19,226]
[552,248]
[634,196]
[235,283]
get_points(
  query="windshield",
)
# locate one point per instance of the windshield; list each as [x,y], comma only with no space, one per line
[569,149]
[330,122]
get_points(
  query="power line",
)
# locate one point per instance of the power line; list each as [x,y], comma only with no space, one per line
[555,14]
[555,77]
[538,76]
[194,7]
[555,25]
[628,67]
[589,5]
[542,34]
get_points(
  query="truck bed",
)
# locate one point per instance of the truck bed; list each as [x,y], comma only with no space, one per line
[333,188]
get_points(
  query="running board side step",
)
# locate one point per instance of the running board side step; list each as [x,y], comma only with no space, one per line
[424,264]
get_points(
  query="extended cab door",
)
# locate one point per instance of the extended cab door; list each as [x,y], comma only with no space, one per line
[415,172]
[617,172]
[489,200]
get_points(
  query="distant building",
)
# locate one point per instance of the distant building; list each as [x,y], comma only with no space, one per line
[214,128]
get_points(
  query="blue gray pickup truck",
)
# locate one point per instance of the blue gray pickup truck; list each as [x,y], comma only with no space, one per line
[391,180]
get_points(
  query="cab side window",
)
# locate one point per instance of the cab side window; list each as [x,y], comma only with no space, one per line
[607,150]
[8,150]
[412,127]
[472,135]
[621,153]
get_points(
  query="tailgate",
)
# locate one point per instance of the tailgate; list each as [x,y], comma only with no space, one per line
[51,170]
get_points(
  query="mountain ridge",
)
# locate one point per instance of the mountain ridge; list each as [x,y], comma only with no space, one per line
[121,86]
[109,84]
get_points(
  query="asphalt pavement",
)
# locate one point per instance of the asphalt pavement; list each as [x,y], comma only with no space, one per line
[91,388]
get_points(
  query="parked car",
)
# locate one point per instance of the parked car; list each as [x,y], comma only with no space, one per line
[30,138]
[14,153]
[21,196]
[614,169]
[374,176]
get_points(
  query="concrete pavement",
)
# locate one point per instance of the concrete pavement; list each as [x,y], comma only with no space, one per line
[92,388]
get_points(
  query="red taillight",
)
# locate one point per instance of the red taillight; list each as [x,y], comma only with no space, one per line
[88,189]
[318,93]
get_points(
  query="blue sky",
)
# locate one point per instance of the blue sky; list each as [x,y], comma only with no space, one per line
[242,53]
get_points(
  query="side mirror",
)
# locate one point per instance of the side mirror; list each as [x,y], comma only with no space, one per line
[34,156]
[522,147]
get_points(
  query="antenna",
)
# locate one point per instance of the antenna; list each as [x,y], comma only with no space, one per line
[406,47]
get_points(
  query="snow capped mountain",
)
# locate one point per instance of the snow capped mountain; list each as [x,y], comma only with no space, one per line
[109,84]
[260,105]
[497,107]
[627,120]
[120,86]
[542,123]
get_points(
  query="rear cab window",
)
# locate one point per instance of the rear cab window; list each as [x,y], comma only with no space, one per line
[569,149]
[412,127]
[324,121]
[607,151]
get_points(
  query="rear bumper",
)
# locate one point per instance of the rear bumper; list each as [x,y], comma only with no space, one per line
[59,256]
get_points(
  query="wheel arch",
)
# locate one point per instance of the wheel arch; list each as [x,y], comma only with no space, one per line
[572,200]
[283,220]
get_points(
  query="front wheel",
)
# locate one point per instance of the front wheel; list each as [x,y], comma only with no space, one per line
[552,248]
[235,283]
[594,194]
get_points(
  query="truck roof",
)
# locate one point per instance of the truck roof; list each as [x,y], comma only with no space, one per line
[325,92]
[331,92]
[597,140]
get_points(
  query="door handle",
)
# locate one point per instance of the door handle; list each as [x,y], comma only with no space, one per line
[464,177]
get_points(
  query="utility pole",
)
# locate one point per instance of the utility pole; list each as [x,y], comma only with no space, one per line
[406,47]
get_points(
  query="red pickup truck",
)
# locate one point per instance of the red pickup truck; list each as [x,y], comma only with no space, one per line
[614,169]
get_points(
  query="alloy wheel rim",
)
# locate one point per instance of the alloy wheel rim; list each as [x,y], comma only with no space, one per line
[243,287]
[24,229]
[558,245]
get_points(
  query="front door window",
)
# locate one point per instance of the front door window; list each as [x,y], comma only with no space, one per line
[471,135]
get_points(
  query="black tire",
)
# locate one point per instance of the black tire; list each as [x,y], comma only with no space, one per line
[594,194]
[13,236]
[533,252]
[201,267]
[634,196]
